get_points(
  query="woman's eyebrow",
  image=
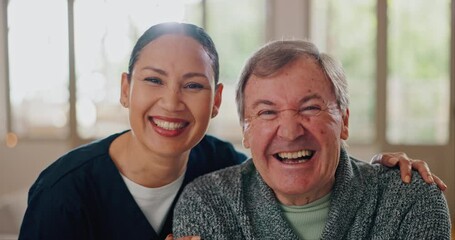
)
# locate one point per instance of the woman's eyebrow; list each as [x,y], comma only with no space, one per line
[157,70]
[194,74]
[185,76]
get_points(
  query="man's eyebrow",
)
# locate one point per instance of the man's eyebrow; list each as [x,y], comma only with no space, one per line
[301,101]
[310,97]
[262,102]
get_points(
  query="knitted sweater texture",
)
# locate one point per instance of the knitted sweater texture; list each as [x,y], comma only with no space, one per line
[368,202]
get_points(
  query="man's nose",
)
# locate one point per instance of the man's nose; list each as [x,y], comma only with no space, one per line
[290,126]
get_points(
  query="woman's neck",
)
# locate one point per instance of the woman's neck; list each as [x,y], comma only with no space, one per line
[144,167]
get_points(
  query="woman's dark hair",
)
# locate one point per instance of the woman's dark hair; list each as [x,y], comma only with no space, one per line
[190,30]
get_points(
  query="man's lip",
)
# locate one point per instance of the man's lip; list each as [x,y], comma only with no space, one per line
[301,155]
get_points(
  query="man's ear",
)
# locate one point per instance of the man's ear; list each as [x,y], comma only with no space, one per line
[345,127]
[245,131]
[217,100]
[245,142]
[125,90]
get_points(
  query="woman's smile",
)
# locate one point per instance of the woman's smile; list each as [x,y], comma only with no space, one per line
[168,127]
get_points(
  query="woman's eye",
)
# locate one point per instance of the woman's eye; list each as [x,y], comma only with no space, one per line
[194,86]
[154,80]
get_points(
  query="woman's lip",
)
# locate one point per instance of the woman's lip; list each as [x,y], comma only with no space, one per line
[168,127]
[168,119]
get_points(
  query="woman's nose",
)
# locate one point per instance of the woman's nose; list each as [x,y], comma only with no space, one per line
[171,100]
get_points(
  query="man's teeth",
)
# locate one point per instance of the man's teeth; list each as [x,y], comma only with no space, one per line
[168,125]
[295,155]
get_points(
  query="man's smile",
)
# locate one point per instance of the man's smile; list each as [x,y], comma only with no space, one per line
[294,157]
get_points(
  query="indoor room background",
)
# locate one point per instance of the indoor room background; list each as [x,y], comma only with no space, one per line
[61,62]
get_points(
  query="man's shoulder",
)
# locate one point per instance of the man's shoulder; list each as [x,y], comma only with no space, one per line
[224,180]
[388,181]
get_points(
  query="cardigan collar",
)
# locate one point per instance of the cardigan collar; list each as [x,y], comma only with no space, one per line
[268,220]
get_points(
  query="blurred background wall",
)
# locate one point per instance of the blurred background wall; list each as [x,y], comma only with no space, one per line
[61,61]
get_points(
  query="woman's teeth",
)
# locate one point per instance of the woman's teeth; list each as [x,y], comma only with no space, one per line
[169,125]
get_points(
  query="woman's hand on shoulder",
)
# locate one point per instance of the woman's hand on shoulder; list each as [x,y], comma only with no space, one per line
[406,164]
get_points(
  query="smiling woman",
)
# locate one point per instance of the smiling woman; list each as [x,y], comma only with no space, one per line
[125,185]
[171,95]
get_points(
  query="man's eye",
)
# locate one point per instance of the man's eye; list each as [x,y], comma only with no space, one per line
[194,86]
[267,114]
[311,110]
[154,80]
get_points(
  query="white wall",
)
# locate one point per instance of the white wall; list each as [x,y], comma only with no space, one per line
[21,165]
[287,19]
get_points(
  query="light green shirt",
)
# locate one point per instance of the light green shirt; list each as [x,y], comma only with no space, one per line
[308,221]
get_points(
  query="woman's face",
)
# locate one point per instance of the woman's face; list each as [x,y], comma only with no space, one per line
[171,95]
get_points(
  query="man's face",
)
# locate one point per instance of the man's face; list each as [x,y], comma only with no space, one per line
[294,129]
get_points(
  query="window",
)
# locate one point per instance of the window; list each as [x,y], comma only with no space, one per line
[348,32]
[417,92]
[418,82]
[237,31]
[104,32]
[62,87]
[38,67]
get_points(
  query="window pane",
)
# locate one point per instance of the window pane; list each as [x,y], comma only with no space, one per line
[418,80]
[332,28]
[38,67]
[105,32]
[237,28]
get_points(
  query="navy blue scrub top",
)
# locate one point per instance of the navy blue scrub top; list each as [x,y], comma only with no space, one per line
[83,196]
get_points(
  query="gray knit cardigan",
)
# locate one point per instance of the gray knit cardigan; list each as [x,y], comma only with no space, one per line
[367,202]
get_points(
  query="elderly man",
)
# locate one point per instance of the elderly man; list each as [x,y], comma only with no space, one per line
[301,182]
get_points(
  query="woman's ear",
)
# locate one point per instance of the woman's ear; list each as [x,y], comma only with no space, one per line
[217,100]
[125,90]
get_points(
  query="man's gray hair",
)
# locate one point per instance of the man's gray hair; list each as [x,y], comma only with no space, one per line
[272,57]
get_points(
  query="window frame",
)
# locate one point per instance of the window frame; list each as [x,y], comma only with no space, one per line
[272,31]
